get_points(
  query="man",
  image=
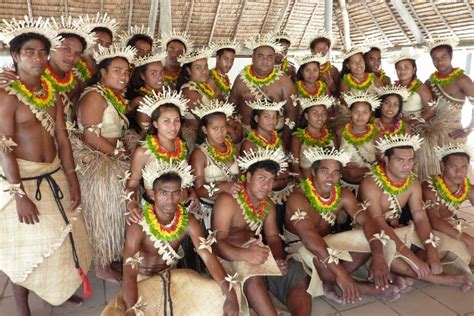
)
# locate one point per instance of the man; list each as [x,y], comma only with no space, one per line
[261,80]
[388,189]
[373,63]
[176,45]
[218,78]
[43,242]
[446,192]
[311,211]
[238,222]
[450,86]
[151,250]
[139,37]
[281,58]
[321,44]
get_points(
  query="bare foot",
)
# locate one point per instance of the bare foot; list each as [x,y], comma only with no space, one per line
[462,281]
[390,293]
[109,275]
[403,284]
[330,294]
[74,301]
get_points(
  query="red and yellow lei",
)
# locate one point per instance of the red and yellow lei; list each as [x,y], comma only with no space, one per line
[251,213]
[326,67]
[451,198]
[302,91]
[284,65]
[43,101]
[436,78]
[364,85]
[312,141]
[222,81]
[318,204]
[274,142]
[60,85]
[358,140]
[250,76]
[227,155]
[398,129]
[118,101]
[153,145]
[168,232]
[144,91]
[206,89]
[82,71]
[171,78]
[378,171]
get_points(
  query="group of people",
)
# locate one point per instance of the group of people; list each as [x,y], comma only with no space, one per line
[205,197]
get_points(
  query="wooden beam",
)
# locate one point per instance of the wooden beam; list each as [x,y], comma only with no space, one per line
[66,8]
[165,17]
[153,15]
[347,28]
[190,16]
[328,15]
[215,22]
[277,25]
[351,21]
[30,9]
[266,16]
[396,20]
[468,5]
[289,15]
[130,14]
[409,20]
[101,7]
[308,24]
[236,30]
[372,17]
[446,23]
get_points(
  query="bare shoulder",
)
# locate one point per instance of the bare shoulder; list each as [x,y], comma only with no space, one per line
[197,155]
[224,199]
[194,228]
[92,99]
[428,194]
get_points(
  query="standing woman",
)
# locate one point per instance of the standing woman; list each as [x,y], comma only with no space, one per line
[214,160]
[101,157]
[308,83]
[311,132]
[388,121]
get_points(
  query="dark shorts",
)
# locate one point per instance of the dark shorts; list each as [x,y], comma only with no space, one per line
[281,286]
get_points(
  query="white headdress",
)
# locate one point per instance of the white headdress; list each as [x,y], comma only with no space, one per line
[377,42]
[214,106]
[226,44]
[158,167]
[113,51]
[325,100]
[400,90]
[100,20]
[264,40]
[282,36]
[141,61]
[323,34]
[369,98]
[454,148]
[317,153]
[399,140]
[192,56]
[355,50]
[253,156]
[265,105]
[406,53]
[450,41]
[13,28]
[68,25]
[320,59]
[150,103]
[135,30]
[176,36]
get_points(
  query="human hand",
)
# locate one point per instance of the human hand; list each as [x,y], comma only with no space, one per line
[27,211]
[135,213]
[350,291]
[231,304]
[257,253]
[379,273]
[282,265]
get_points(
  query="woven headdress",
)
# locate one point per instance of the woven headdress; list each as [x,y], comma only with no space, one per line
[264,40]
[124,37]
[400,90]
[71,26]
[449,41]
[369,98]
[320,59]
[325,100]
[13,28]
[141,61]
[214,106]
[100,20]
[455,148]
[150,103]
[317,153]
[355,50]
[216,46]
[113,51]
[176,36]
[155,169]
[323,34]
[265,105]
[203,53]
[393,141]
[252,156]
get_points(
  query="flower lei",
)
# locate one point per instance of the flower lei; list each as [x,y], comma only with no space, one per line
[249,75]
[378,171]
[398,129]
[60,85]
[274,142]
[225,156]
[145,91]
[205,88]
[318,204]
[436,78]
[309,140]
[169,232]
[252,215]
[284,65]
[44,101]
[356,140]
[326,67]
[222,81]
[171,78]
[364,85]
[117,100]
[414,85]
[82,71]
[446,195]
[321,89]
[153,145]
[380,74]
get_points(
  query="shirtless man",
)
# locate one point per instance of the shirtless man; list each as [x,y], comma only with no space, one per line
[321,44]
[218,78]
[312,210]
[261,80]
[373,63]
[143,238]
[281,58]
[388,189]
[35,147]
[175,45]
[448,191]
[239,218]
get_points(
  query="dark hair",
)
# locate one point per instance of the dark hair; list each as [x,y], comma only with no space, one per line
[184,76]
[136,82]
[389,152]
[152,130]
[315,165]
[104,64]
[79,38]
[16,44]
[413,63]
[177,40]
[103,29]
[267,165]
[253,123]
[140,37]
[204,121]
[317,40]
[368,104]
[167,177]
[366,56]
[378,112]
[299,73]
[221,51]
[283,40]
[303,123]
[447,47]
[446,158]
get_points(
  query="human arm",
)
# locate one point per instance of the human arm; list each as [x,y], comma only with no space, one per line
[139,160]
[133,240]
[274,242]
[290,111]
[426,98]
[295,149]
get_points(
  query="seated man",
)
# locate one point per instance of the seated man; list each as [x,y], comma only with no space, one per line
[446,192]
[238,219]
[311,211]
[388,189]
[151,251]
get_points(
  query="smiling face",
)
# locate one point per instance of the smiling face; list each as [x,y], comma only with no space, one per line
[327,175]
[116,75]
[356,64]
[168,123]
[32,58]
[153,76]
[67,55]
[316,116]
[390,107]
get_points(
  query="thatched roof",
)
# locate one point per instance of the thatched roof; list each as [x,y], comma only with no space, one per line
[224,19]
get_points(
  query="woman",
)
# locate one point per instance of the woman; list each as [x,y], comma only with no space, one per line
[311,132]
[101,157]
[214,160]
[389,121]
[308,83]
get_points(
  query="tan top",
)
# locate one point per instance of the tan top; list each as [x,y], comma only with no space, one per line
[413,106]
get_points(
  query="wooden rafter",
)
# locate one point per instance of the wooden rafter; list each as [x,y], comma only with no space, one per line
[419,37]
[396,20]
[66,8]
[328,15]
[277,25]
[346,23]
[190,15]
[435,8]
[30,9]
[266,16]
[236,30]
[290,14]
[351,21]
[468,5]
[153,15]
[308,24]
[130,14]
[101,7]
[215,21]
[372,17]
[165,17]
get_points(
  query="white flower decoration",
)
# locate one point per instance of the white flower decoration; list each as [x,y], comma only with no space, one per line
[298,216]
[15,189]
[123,179]
[126,196]
[232,279]
[211,189]
[139,307]
[134,261]
[384,238]
[336,255]
[7,144]
[95,129]
[433,240]
[206,243]
[289,123]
